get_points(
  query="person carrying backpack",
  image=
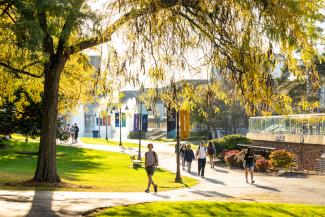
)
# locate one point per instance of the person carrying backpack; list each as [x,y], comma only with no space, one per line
[189,157]
[211,153]
[201,154]
[151,161]
[249,164]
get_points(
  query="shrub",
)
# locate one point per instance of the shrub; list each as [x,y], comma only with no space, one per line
[262,164]
[135,135]
[234,158]
[282,159]
[231,160]
[229,142]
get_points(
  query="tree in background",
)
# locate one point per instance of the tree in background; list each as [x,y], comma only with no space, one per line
[40,37]
[300,91]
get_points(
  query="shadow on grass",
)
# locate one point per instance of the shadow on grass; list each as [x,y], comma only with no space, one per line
[283,211]
[21,158]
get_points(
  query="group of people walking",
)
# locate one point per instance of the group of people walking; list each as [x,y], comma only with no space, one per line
[187,156]
[73,132]
[202,153]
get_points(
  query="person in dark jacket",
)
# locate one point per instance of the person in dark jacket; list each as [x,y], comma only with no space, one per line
[189,157]
[249,164]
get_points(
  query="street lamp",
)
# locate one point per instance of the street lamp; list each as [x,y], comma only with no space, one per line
[120,121]
[106,123]
[140,130]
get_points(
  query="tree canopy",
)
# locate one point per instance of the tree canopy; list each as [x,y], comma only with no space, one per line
[42,39]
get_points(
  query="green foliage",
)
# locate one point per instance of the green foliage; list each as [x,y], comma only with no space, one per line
[135,135]
[282,159]
[229,142]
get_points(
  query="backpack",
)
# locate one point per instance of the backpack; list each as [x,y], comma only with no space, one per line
[210,150]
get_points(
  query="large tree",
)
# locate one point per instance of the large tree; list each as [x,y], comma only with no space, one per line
[38,37]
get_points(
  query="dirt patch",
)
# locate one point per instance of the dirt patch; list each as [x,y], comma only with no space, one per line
[52,186]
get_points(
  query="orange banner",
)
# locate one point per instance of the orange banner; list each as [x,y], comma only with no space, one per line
[184,119]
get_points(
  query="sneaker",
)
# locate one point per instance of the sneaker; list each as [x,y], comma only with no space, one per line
[156,188]
[253,181]
[147,191]
[202,177]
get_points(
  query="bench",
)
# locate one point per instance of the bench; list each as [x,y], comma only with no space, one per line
[135,162]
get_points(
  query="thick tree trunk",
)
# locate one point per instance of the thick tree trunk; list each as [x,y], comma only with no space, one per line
[46,170]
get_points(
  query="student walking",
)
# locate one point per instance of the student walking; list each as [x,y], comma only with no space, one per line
[189,157]
[151,161]
[249,164]
[182,155]
[72,133]
[76,131]
[211,153]
[201,154]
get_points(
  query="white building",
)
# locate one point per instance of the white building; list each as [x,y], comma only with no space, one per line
[92,118]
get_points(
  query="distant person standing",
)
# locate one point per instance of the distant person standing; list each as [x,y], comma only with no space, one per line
[151,161]
[249,164]
[189,157]
[72,133]
[76,130]
[211,153]
[201,154]
[182,155]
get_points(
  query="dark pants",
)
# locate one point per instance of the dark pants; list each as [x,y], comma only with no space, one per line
[201,164]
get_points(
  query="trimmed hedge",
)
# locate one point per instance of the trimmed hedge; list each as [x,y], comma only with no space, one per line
[135,135]
[229,142]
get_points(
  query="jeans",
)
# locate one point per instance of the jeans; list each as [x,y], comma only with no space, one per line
[189,165]
[201,165]
[183,160]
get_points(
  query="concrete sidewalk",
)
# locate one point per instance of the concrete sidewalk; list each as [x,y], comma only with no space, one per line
[220,184]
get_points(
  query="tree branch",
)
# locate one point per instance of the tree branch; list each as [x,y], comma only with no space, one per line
[48,45]
[134,13]
[68,26]
[106,36]
[18,71]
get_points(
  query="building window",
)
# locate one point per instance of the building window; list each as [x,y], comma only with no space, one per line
[103,120]
[89,120]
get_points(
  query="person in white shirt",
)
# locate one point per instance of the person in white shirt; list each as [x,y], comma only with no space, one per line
[201,154]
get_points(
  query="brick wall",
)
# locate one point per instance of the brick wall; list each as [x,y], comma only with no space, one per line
[307,154]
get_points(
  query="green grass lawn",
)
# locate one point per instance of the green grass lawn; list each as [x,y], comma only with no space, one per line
[199,208]
[106,171]
[108,142]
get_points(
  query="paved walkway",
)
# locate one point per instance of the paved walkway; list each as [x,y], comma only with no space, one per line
[220,184]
